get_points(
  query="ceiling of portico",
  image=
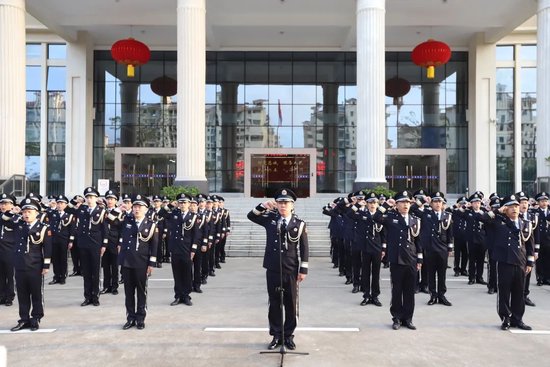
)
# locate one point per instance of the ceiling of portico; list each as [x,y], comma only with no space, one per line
[288,24]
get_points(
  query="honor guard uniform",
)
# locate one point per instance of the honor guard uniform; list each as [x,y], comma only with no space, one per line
[109,260]
[349,224]
[436,236]
[62,227]
[543,262]
[32,257]
[7,238]
[404,255]
[75,203]
[138,255]
[373,247]
[209,218]
[164,242]
[514,252]
[533,217]
[422,282]
[335,227]
[226,229]
[477,240]
[217,233]
[490,227]
[286,250]
[183,235]
[91,234]
[357,244]
[153,214]
[460,232]
[202,251]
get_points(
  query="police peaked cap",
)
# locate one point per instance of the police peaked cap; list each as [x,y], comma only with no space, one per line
[32,195]
[183,197]
[61,199]
[521,196]
[510,200]
[420,192]
[438,195]
[30,204]
[111,194]
[541,196]
[8,198]
[141,200]
[285,195]
[402,196]
[371,196]
[91,191]
[475,197]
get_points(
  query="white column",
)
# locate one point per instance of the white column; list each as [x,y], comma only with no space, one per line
[79,115]
[191,18]
[543,88]
[371,157]
[482,172]
[12,88]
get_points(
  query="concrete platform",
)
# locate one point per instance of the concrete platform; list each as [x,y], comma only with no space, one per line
[466,334]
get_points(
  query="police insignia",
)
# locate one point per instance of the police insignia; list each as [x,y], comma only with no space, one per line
[284,192]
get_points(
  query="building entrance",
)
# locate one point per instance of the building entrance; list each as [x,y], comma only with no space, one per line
[412,169]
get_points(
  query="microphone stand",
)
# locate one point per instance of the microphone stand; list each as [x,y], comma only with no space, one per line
[282,350]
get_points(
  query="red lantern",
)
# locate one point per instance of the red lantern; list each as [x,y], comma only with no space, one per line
[430,54]
[397,88]
[165,87]
[130,52]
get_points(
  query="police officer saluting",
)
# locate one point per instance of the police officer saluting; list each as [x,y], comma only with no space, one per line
[138,255]
[286,247]
[7,288]
[33,248]
[61,224]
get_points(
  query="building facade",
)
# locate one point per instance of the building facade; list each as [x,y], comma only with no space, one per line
[276,94]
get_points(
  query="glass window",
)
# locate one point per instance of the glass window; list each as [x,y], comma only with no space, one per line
[33,51]
[56,78]
[505,53]
[528,52]
[57,51]
[33,78]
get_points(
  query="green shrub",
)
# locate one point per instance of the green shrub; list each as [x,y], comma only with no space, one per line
[381,190]
[173,191]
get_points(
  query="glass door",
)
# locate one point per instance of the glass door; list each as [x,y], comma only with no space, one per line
[146,174]
[412,172]
[271,172]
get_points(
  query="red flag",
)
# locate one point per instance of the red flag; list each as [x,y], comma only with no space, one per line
[280,113]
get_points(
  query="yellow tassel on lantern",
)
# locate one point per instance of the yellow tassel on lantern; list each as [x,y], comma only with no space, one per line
[130,71]
[430,72]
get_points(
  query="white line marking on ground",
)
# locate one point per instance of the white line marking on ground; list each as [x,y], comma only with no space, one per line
[539,332]
[27,331]
[332,329]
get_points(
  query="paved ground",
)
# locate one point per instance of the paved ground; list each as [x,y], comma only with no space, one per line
[466,334]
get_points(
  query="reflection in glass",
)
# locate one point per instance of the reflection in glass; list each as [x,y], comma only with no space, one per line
[56,78]
[528,52]
[33,78]
[33,50]
[57,51]
[505,53]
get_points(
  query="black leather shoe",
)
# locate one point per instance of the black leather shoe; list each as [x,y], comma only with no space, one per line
[375,301]
[348,281]
[396,325]
[355,289]
[481,281]
[62,281]
[20,326]
[432,301]
[444,301]
[276,342]
[424,289]
[211,273]
[222,261]
[8,303]
[53,282]
[105,290]
[121,281]
[74,274]
[491,291]
[409,325]
[86,302]
[141,325]
[457,274]
[114,292]
[341,274]
[197,289]
[204,281]
[522,326]
[176,302]
[159,265]
[289,342]
[365,302]
[334,266]
[470,282]
[528,302]
[34,325]
[187,301]
[465,273]
[128,325]
[505,324]
[218,266]
[95,302]
[2,301]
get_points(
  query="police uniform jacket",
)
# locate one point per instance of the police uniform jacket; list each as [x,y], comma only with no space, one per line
[460,225]
[138,246]
[217,224]
[336,224]
[8,222]
[113,219]
[90,228]
[226,226]
[511,245]
[62,225]
[155,215]
[400,237]
[543,227]
[349,223]
[292,246]
[370,235]
[436,233]
[183,232]
[204,228]
[33,246]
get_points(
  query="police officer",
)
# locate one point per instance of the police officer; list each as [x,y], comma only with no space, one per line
[153,214]
[76,201]
[226,230]
[531,216]
[208,217]
[490,230]
[138,255]
[183,237]
[404,255]
[543,229]
[460,232]
[33,249]
[335,230]
[477,240]
[370,239]
[90,232]
[286,250]
[514,252]
[437,241]
[109,260]
[7,288]
[62,226]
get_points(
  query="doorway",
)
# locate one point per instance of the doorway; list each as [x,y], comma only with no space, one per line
[412,169]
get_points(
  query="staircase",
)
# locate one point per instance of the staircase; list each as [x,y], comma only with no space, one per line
[15,185]
[248,239]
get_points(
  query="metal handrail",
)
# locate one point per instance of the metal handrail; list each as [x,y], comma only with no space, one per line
[15,185]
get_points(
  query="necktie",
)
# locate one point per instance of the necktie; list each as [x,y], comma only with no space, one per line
[438,215]
[283,233]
